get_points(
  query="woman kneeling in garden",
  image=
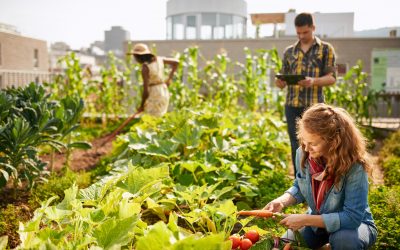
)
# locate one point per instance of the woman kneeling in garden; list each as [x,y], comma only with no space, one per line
[332,165]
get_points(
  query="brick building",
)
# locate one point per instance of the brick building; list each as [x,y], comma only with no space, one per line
[22,60]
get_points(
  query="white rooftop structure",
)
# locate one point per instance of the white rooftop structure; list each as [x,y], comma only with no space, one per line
[206,19]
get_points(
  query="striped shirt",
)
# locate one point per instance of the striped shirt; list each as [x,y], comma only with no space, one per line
[318,61]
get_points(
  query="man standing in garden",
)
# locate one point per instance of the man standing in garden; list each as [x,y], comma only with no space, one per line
[314,59]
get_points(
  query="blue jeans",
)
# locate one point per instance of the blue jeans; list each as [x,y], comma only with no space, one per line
[344,239]
[292,114]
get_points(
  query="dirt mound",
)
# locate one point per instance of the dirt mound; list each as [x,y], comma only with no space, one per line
[80,159]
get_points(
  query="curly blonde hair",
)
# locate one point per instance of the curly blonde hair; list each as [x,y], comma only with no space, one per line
[345,144]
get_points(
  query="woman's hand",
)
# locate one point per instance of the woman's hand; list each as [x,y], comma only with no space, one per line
[294,221]
[275,206]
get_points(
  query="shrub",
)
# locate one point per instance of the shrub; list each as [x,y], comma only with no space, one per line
[9,221]
[56,184]
[385,208]
[273,183]
[391,146]
[391,167]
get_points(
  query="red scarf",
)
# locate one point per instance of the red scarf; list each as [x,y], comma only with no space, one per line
[319,185]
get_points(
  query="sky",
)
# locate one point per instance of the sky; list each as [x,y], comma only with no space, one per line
[81,22]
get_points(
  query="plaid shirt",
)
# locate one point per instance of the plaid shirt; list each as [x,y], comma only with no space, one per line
[318,61]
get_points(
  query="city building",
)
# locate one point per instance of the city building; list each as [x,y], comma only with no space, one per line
[114,40]
[206,19]
[59,50]
[22,60]
[8,28]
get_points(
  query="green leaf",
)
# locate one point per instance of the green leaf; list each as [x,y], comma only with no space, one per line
[56,214]
[188,136]
[115,232]
[80,145]
[97,215]
[299,238]
[128,209]
[3,242]
[209,242]
[158,237]
[140,178]
[263,244]
[5,174]
[70,196]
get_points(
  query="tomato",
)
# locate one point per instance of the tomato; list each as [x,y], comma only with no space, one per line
[245,244]
[235,241]
[252,235]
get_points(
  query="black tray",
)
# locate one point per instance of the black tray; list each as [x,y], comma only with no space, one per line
[290,79]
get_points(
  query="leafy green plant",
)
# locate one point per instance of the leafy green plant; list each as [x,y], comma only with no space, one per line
[70,112]
[391,168]
[353,93]
[29,123]
[385,209]
[10,217]
[391,146]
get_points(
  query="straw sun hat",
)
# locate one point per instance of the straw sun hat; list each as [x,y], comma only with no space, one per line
[140,49]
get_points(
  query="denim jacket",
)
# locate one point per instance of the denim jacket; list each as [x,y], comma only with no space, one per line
[345,207]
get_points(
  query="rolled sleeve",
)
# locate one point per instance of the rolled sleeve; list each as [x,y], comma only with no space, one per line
[295,192]
[355,202]
[330,62]
[332,222]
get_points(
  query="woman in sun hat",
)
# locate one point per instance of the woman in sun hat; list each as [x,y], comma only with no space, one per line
[155,98]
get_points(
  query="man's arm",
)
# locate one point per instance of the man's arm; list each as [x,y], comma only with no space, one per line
[328,72]
[325,80]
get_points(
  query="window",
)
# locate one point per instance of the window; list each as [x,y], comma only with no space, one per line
[169,28]
[238,29]
[177,28]
[36,58]
[191,27]
[227,23]
[208,21]
[218,32]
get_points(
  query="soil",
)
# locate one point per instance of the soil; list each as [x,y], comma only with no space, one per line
[377,172]
[81,159]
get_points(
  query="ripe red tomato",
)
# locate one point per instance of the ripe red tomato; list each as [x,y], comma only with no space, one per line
[235,241]
[252,235]
[245,244]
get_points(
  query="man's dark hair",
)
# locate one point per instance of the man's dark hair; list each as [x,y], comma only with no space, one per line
[304,19]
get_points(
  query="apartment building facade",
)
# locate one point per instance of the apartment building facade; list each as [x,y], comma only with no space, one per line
[22,60]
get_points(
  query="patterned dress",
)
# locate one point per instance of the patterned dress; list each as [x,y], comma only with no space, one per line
[157,102]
